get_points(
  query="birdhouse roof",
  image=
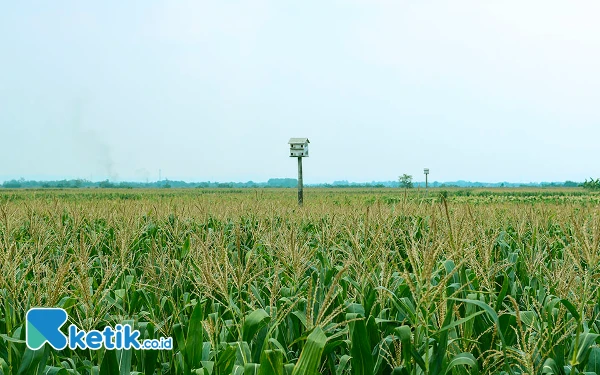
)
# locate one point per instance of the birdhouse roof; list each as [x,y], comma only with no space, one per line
[295,141]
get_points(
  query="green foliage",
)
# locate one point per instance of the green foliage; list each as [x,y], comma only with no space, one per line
[106,184]
[405,181]
[592,184]
[245,283]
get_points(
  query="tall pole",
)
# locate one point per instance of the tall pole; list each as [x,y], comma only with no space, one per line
[300,187]
[426,171]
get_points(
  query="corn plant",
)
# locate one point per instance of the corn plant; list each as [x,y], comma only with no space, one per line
[354,282]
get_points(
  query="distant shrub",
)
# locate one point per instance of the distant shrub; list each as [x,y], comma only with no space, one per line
[106,184]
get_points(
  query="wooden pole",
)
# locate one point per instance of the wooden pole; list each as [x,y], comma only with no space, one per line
[300,187]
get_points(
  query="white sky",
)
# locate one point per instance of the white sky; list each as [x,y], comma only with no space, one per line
[474,90]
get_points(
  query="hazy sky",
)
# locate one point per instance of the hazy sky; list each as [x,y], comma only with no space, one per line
[474,90]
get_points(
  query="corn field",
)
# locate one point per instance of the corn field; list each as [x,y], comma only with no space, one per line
[365,282]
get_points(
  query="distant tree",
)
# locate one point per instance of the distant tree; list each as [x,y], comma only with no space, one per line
[570,184]
[63,184]
[405,181]
[12,184]
[282,182]
[106,184]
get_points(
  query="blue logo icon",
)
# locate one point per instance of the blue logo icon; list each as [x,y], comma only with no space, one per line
[43,326]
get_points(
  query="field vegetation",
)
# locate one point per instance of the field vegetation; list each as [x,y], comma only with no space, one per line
[355,282]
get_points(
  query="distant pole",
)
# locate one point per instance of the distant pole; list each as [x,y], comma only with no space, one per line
[300,184]
[159,175]
[299,149]
[426,171]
